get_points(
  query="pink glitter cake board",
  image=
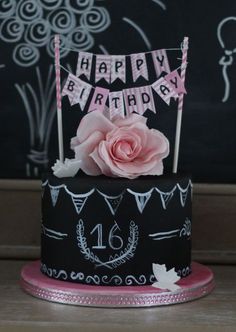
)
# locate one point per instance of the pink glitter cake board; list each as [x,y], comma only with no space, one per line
[198,284]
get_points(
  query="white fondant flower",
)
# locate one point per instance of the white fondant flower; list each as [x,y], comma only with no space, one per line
[67,169]
[165,279]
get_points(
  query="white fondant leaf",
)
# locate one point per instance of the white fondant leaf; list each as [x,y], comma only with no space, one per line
[165,279]
[67,169]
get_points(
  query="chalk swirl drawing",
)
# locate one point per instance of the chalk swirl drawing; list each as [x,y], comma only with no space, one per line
[11,30]
[80,38]
[7,8]
[34,23]
[228,58]
[25,55]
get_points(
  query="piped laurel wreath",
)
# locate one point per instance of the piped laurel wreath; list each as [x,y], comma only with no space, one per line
[114,260]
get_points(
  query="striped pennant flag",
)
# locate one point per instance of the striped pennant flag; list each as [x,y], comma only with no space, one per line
[99,99]
[118,68]
[164,90]
[175,81]
[84,64]
[116,105]
[81,97]
[160,61]
[139,66]
[103,68]
[71,87]
[131,100]
[146,100]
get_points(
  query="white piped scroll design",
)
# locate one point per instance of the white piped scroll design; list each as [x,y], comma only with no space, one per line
[114,260]
[141,198]
[113,202]
[165,196]
[184,272]
[186,229]
[95,279]
[184,192]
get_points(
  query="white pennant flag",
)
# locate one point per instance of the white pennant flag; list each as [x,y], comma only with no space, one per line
[141,198]
[103,68]
[54,195]
[160,61]
[183,193]
[118,68]
[79,203]
[164,90]
[145,99]
[113,202]
[139,66]
[84,64]
[116,105]
[165,196]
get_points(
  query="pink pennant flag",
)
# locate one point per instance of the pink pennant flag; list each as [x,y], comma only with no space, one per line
[118,68]
[84,64]
[82,95]
[146,100]
[71,87]
[103,68]
[139,66]
[116,105]
[98,100]
[160,61]
[175,81]
[164,90]
[131,100]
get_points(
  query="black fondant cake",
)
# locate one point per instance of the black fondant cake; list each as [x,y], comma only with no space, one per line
[109,231]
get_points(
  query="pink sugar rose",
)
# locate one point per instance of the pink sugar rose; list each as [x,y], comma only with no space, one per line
[123,148]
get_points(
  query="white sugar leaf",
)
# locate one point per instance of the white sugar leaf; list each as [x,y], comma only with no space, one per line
[67,169]
[165,279]
[166,285]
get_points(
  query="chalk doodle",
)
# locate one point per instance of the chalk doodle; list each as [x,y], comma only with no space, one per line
[228,58]
[32,24]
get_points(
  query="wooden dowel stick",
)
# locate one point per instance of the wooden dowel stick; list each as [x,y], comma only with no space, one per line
[180,106]
[58,96]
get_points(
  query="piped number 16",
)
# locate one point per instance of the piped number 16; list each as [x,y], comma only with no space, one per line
[115,241]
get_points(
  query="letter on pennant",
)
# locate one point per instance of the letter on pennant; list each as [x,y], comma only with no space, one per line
[84,64]
[98,100]
[116,105]
[175,81]
[139,66]
[160,61]
[118,68]
[164,90]
[103,68]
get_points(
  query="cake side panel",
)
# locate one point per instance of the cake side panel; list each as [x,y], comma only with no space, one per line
[105,232]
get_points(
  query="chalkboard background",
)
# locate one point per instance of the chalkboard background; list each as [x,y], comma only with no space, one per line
[28,132]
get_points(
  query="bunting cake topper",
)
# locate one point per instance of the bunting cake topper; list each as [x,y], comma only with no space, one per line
[169,84]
